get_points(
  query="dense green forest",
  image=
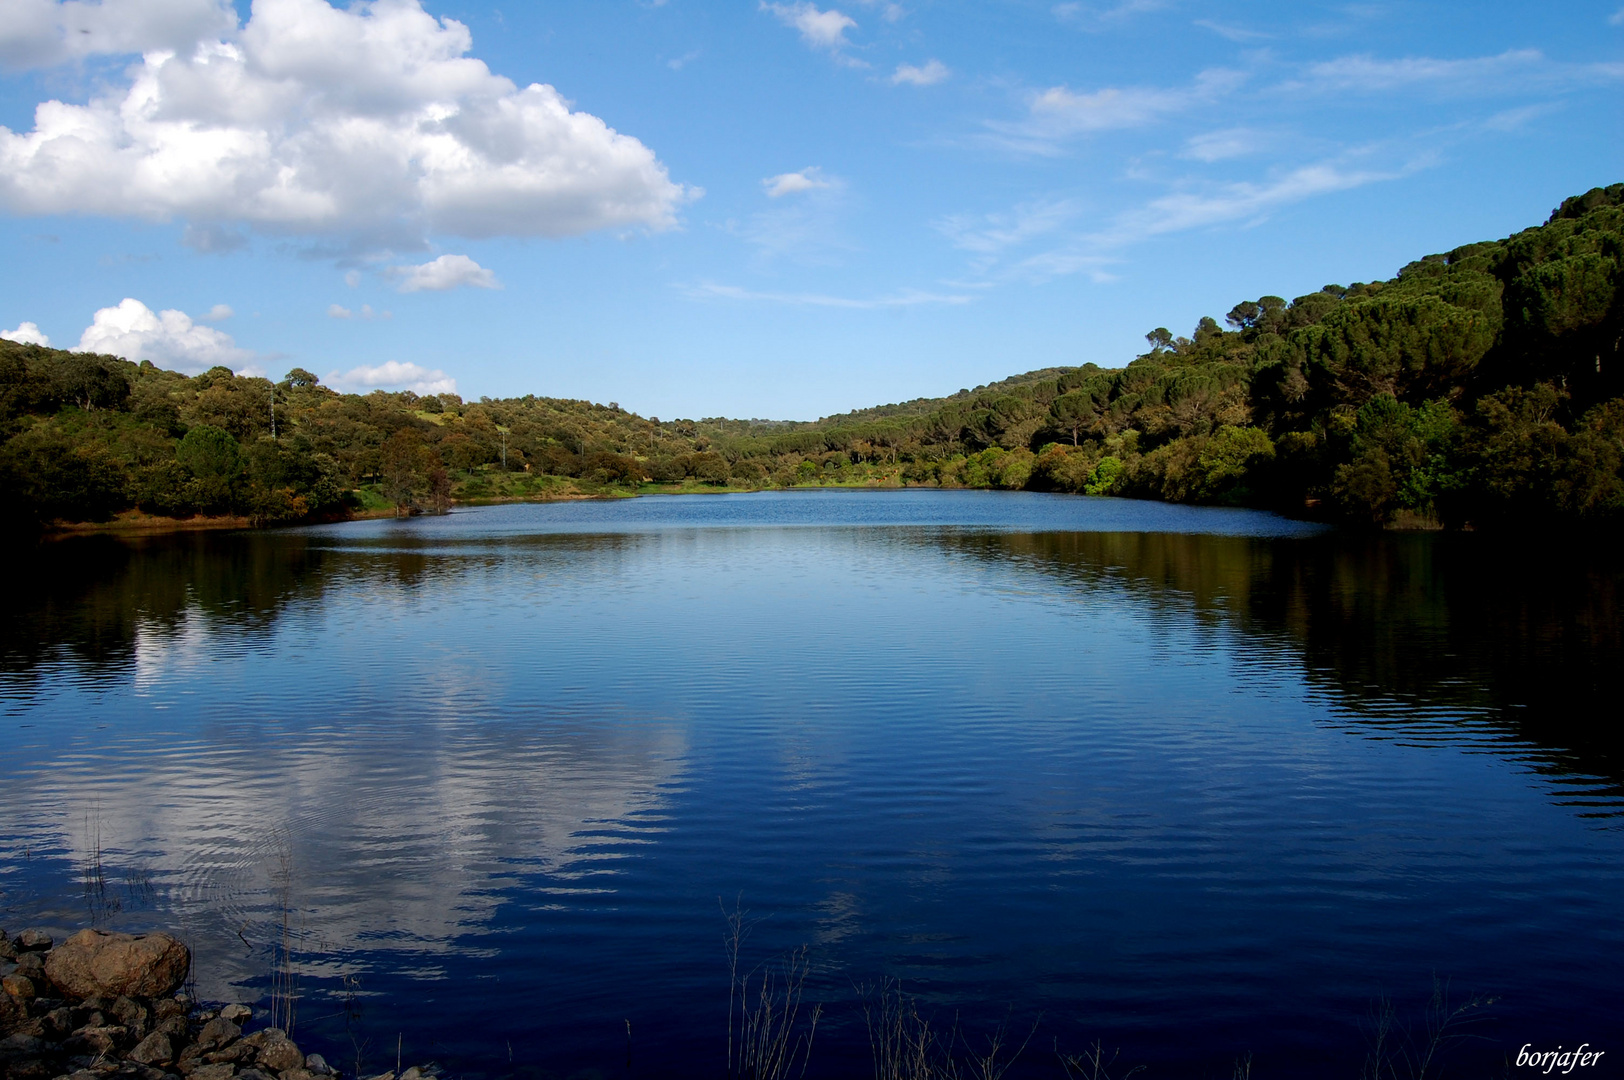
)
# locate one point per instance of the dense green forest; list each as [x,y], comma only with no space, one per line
[1479,387]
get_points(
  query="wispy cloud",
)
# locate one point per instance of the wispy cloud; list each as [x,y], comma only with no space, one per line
[1224,145]
[993,234]
[1513,71]
[366,314]
[1616,18]
[1364,73]
[890,12]
[819,29]
[904,299]
[1238,34]
[1060,113]
[997,246]
[1098,16]
[1224,203]
[810,178]
[929,74]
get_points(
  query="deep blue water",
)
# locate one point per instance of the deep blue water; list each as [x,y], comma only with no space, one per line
[1197,783]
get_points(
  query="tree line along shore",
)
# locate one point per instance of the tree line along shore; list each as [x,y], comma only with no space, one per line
[1478,388]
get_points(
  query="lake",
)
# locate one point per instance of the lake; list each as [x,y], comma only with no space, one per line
[1198,783]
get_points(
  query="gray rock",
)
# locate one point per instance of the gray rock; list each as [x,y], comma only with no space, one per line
[139,965]
[254,1074]
[19,1045]
[222,1071]
[175,1027]
[8,951]
[34,940]
[155,1049]
[279,1052]
[164,1008]
[100,1041]
[218,1033]
[20,987]
[383,1076]
[60,1022]
[237,1014]
[132,1014]
[30,966]
[318,1065]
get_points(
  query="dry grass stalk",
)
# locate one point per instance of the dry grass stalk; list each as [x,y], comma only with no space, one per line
[1420,1053]
[1092,1064]
[284,973]
[764,1040]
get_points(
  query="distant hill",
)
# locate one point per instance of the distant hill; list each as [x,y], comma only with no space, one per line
[1481,386]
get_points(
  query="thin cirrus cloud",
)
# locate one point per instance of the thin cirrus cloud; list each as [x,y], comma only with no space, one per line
[1001,245]
[445,273]
[1180,211]
[928,74]
[1513,71]
[1095,16]
[368,124]
[904,299]
[1060,113]
[793,183]
[989,236]
[168,338]
[392,375]
[1224,145]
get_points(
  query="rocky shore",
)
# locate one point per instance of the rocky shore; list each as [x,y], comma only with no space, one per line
[103,1005]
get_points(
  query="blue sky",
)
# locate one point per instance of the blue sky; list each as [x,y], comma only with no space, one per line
[755,209]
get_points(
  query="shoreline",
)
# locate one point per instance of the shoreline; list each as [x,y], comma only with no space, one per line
[115,1006]
[134,523]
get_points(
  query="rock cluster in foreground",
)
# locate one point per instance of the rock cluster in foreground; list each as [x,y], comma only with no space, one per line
[103,1005]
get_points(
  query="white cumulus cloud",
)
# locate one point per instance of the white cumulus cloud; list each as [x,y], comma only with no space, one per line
[40,33]
[393,375]
[819,29]
[931,73]
[791,183]
[26,334]
[446,272]
[168,338]
[367,124]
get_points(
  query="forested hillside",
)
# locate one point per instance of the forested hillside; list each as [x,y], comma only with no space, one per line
[1478,387]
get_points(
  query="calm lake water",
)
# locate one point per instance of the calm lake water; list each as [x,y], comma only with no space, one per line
[1197,783]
